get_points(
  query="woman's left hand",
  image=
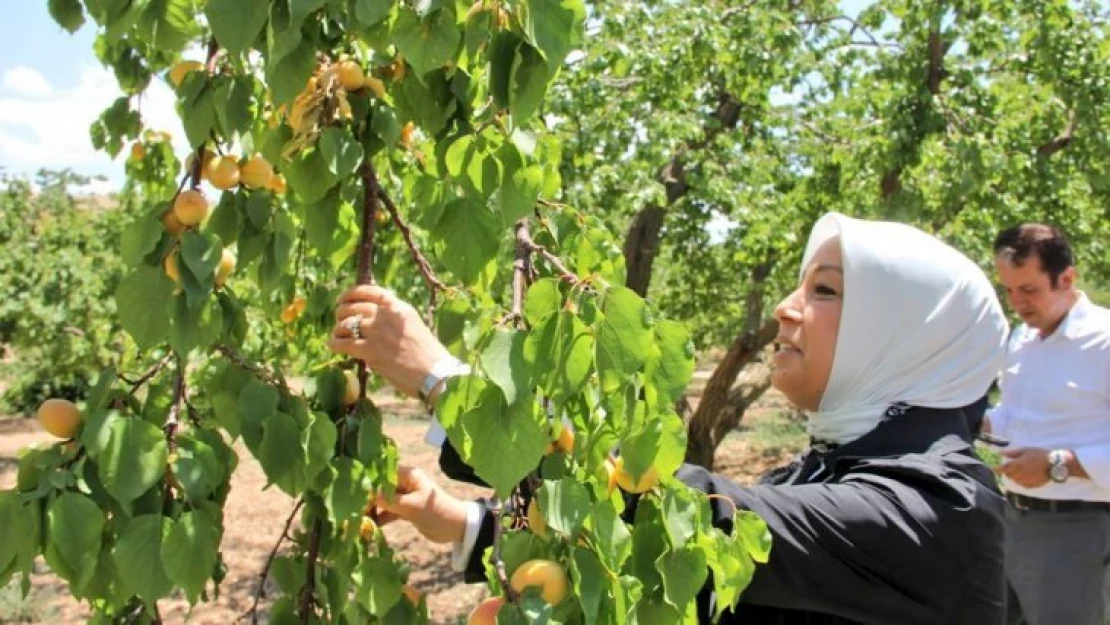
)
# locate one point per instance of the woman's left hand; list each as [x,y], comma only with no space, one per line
[392,338]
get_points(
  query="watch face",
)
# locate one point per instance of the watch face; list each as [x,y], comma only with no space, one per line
[1058,472]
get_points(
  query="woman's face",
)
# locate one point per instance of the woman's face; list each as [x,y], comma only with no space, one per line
[809,320]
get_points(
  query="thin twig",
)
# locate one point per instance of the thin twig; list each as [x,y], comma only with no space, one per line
[261,591]
[262,374]
[522,266]
[566,275]
[150,373]
[422,264]
[171,425]
[498,510]
[308,600]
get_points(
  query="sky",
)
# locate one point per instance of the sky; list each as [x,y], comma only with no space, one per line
[52,87]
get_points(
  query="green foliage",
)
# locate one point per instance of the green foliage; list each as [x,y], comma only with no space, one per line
[60,265]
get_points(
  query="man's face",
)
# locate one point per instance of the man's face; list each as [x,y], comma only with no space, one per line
[1031,295]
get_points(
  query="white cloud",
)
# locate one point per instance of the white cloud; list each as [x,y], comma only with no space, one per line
[26,81]
[45,126]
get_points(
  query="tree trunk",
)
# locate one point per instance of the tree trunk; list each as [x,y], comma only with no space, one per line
[722,407]
[641,246]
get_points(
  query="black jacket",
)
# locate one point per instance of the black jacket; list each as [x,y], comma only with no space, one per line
[902,526]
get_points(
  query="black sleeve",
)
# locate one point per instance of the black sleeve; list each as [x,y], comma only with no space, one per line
[871,549]
[452,465]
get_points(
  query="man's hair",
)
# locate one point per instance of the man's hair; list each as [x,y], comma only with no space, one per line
[1047,243]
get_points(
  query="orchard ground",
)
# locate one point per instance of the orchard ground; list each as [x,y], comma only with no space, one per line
[254,519]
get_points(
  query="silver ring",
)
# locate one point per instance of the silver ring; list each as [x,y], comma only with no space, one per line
[354,326]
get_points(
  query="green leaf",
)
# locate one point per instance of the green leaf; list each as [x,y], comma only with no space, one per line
[502,55]
[138,557]
[257,402]
[554,26]
[381,585]
[565,504]
[669,369]
[140,238]
[170,24]
[459,154]
[236,23]
[289,573]
[288,76]
[370,12]
[543,299]
[141,303]
[318,441]
[560,352]
[519,193]
[198,116]
[611,535]
[481,425]
[16,520]
[429,43]
[469,234]
[197,262]
[528,83]
[191,551]
[660,443]
[349,492]
[683,571]
[649,543]
[679,511]
[73,537]
[232,100]
[309,176]
[753,533]
[198,469]
[280,453]
[623,336]
[504,364]
[341,152]
[587,575]
[67,13]
[732,568]
[133,459]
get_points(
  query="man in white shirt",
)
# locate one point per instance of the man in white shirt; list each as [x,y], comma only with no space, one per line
[1055,411]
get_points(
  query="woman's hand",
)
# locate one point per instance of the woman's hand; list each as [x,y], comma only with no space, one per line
[394,341]
[436,514]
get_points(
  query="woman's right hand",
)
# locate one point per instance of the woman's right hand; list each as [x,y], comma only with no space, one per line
[436,514]
[393,340]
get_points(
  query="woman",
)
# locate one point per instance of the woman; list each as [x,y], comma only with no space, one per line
[889,518]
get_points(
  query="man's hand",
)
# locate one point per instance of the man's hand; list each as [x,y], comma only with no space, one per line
[1028,467]
[434,512]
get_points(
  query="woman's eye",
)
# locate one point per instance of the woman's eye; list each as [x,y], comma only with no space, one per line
[828,291]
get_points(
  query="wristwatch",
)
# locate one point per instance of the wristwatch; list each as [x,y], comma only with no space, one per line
[447,367]
[1058,466]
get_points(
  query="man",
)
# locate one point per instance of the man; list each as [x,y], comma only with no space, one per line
[1055,411]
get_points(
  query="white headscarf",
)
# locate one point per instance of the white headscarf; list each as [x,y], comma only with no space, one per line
[920,324]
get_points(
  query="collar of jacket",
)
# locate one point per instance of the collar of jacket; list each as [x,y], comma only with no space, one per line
[916,431]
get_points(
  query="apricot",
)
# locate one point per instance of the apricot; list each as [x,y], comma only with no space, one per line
[190,207]
[351,394]
[277,184]
[565,442]
[535,520]
[170,265]
[179,71]
[59,417]
[548,575]
[412,594]
[171,223]
[256,173]
[647,481]
[350,75]
[138,151]
[222,172]
[485,613]
[226,266]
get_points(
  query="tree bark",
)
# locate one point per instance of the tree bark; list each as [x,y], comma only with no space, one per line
[641,243]
[722,406]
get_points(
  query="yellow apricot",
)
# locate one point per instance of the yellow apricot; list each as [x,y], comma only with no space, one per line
[256,173]
[290,313]
[170,265]
[351,393]
[406,134]
[412,594]
[138,151]
[179,71]
[548,575]
[486,612]
[565,442]
[171,223]
[222,172]
[375,85]
[646,482]
[367,529]
[350,75]
[226,266]
[277,184]
[59,417]
[190,207]
[535,520]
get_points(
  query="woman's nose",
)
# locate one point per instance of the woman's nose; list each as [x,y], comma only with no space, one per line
[789,310]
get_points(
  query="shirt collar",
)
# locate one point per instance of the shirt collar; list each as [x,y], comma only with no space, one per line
[1070,325]
[918,430]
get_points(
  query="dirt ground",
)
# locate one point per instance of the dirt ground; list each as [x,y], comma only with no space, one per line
[254,519]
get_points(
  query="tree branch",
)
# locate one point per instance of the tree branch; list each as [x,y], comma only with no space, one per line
[261,591]
[170,428]
[262,374]
[422,263]
[498,510]
[1063,139]
[150,373]
[308,600]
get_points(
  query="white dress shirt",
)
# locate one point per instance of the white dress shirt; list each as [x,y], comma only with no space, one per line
[1056,395]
